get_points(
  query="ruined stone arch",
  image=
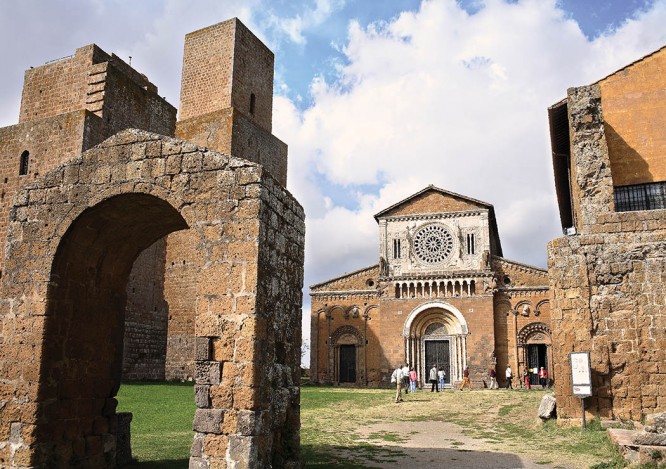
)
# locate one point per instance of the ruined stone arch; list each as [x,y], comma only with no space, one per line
[73,237]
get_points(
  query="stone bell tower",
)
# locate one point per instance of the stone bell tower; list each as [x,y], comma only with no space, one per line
[226,97]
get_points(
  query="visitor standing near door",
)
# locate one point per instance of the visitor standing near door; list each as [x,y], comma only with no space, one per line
[526,378]
[412,379]
[441,374]
[509,377]
[433,378]
[493,378]
[543,378]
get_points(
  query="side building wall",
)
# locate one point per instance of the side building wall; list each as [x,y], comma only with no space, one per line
[607,284]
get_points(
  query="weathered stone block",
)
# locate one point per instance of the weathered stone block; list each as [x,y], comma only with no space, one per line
[202,348]
[650,439]
[202,396]
[208,372]
[208,421]
[546,407]
[198,463]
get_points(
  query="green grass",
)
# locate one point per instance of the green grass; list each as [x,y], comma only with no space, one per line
[334,423]
[162,422]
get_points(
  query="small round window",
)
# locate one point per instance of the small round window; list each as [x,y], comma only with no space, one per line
[507,280]
[370,282]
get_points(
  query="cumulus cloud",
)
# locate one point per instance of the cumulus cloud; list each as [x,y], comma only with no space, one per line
[446,97]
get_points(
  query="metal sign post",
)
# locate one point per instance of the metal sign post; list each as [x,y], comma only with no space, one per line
[581,378]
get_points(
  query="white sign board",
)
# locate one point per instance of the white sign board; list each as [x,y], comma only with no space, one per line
[581,375]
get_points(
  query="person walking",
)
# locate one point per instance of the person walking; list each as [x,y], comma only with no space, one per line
[396,378]
[543,378]
[526,378]
[433,378]
[509,377]
[466,381]
[405,378]
[493,378]
[412,379]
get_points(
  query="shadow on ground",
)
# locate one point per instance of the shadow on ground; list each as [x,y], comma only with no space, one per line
[170,464]
[390,457]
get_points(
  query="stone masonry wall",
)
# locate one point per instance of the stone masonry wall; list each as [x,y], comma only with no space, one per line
[146,315]
[94,215]
[68,106]
[50,142]
[223,65]
[608,285]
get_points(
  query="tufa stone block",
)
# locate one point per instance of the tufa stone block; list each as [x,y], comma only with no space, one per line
[208,421]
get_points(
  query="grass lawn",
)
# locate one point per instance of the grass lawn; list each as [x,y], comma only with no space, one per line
[337,426]
[162,422]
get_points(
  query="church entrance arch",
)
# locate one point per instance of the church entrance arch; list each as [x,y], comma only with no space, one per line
[535,342]
[436,334]
[348,361]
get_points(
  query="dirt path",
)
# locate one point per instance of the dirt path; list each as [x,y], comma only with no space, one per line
[431,444]
[478,429]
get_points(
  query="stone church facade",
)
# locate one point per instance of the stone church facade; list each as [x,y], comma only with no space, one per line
[441,293]
[134,245]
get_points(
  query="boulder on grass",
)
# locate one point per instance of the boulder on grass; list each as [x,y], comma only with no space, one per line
[547,407]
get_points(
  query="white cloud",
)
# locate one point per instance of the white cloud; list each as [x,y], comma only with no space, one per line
[444,97]
[296,26]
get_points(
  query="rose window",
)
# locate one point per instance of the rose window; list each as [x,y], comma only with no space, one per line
[433,244]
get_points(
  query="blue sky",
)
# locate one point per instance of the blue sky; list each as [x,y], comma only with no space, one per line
[377,99]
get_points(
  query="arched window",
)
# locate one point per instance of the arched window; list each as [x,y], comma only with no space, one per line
[23,165]
[253,101]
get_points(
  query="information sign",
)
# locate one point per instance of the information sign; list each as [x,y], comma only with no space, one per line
[581,376]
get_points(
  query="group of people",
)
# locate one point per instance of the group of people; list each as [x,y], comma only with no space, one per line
[405,377]
[542,374]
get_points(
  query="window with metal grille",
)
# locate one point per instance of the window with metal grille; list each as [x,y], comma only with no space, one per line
[650,196]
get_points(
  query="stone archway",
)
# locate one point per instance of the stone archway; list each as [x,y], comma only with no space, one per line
[440,326]
[72,239]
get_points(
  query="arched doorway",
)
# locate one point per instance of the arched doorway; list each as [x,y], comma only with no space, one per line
[348,359]
[535,346]
[436,334]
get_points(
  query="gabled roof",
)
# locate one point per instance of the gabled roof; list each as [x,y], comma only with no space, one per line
[434,189]
[496,245]
[344,276]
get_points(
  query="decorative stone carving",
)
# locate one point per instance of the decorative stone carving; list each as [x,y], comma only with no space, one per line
[533,331]
[433,244]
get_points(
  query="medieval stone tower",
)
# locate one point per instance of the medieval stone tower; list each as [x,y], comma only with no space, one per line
[140,247]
